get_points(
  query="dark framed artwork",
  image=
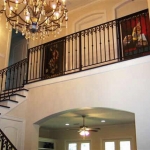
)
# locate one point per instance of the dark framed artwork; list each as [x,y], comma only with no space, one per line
[53,59]
[136,36]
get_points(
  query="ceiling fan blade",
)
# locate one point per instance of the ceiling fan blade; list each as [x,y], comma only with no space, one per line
[93,128]
[73,129]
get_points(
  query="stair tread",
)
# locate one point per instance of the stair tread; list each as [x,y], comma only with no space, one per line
[17,94]
[4,106]
[23,89]
[9,100]
[12,95]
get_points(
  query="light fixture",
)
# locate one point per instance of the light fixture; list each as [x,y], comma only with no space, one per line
[103,121]
[35,17]
[84,132]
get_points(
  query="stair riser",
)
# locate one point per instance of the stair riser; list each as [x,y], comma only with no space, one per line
[25,93]
[9,103]
[4,110]
[19,99]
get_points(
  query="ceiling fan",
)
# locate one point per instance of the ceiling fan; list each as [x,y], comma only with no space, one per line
[84,130]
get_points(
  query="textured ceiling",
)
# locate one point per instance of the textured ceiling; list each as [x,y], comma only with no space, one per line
[93,118]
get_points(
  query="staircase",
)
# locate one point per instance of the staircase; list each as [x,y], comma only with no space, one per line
[8,102]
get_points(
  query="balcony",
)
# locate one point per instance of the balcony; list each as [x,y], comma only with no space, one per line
[112,42]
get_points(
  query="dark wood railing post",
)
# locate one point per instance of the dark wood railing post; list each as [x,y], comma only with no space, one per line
[80,52]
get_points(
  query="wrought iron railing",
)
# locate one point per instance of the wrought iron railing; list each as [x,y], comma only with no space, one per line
[111,42]
[118,40]
[12,78]
[5,143]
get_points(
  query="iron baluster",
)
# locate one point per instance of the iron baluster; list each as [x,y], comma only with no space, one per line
[76,37]
[119,41]
[92,47]
[84,48]
[37,58]
[113,39]
[108,26]
[72,51]
[80,51]
[100,43]
[96,45]
[104,26]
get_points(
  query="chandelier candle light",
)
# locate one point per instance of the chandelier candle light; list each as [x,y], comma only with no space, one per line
[35,17]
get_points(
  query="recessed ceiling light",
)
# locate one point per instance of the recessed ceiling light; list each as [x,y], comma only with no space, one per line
[103,121]
[67,124]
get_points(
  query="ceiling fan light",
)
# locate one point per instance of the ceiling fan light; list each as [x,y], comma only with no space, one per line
[84,133]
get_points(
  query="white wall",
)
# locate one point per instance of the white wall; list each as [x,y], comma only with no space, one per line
[13,128]
[123,86]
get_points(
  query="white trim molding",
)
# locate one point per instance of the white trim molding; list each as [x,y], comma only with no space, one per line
[123,2]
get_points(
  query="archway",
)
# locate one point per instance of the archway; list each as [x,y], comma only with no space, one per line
[113,124]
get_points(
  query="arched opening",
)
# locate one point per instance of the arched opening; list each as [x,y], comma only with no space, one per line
[90,20]
[107,126]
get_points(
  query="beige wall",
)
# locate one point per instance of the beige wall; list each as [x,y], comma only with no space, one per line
[106,133]
[129,7]
[123,86]
[5,37]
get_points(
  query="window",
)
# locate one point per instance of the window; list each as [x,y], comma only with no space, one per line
[109,145]
[118,144]
[72,146]
[85,146]
[125,145]
[78,145]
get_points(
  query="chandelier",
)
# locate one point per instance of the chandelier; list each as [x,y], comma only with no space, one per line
[34,18]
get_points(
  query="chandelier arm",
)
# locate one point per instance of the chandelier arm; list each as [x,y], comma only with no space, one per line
[54,21]
[30,9]
[10,21]
[10,18]
[20,11]
[15,3]
[54,29]
[45,20]
[12,24]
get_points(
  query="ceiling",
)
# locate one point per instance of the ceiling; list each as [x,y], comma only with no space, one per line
[73,4]
[93,118]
